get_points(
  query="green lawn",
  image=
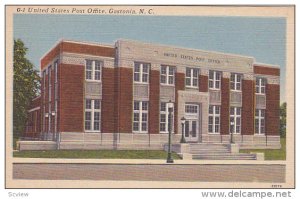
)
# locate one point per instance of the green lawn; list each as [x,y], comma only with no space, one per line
[96,154]
[270,154]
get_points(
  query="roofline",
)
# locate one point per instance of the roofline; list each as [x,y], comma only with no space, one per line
[267,65]
[76,42]
[194,49]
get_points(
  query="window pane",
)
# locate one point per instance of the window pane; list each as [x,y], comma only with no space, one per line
[162,127]
[195,73]
[145,68]
[238,86]
[136,105]
[188,72]
[163,70]
[96,125]
[262,113]
[257,112]
[171,70]
[136,67]
[211,75]
[144,106]
[210,128]
[217,109]
[96,116]
[171,80]
[88,104]
[217,120]
[144,117]
[217,84]
[136,77]
[135,126]
[88,75]
[210,84]
[162,106]
[97,65]
[136,117]
[218,75]
[97,75]
[210,109]
[96,104]
[188,81]
[145,78]
[87,125]
[88,65]
[263,90]
[210,120]
[239,78]
[195,82]
[163,79]
[232,77]
[144,126]
[238,111]
[163,118]
[88,116]
[217,128]
[231,111]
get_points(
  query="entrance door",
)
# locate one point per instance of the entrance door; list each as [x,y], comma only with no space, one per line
[191,130]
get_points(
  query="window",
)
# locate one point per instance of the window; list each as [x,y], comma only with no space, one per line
[214,80]
[235,117]
[214,119]
[167,75]
[164,118]
[191,77]
[259,121]
[92,115]
[55,70]
[141,72]
[49,83]
[140,116]
[191,108]
[93,70]
[235,82]
[260,85]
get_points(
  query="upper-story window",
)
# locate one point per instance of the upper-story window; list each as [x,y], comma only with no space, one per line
[141,72]
[235,81]
[93,70]
[214,80]
[167,75]
[55,70]
[260,85]
[191,77]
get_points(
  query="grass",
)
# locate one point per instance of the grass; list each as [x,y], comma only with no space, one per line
[270,154]
[96,154]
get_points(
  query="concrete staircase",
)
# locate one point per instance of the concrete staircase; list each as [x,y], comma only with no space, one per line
[211,151]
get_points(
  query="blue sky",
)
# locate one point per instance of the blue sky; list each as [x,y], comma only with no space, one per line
[263,38]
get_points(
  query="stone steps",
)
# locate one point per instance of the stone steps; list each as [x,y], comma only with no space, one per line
[217,152]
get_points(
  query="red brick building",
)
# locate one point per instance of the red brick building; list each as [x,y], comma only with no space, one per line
[100,96]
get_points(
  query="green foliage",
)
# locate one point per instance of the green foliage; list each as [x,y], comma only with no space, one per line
[96,154]
[283,120]
[270,154]
[26,83]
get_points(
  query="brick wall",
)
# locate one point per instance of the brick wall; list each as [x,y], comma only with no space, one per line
[225,106]
[203,83]
[248,109]
[272,109]
[179,85]
[154,113]
[125,99]
[72,98]
[108,100]
[263,70]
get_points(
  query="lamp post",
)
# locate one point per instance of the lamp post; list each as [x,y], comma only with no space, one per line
[182,127]
[231,132]
[170,108]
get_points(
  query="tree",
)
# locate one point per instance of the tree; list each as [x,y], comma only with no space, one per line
[26,85]
[283,119]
